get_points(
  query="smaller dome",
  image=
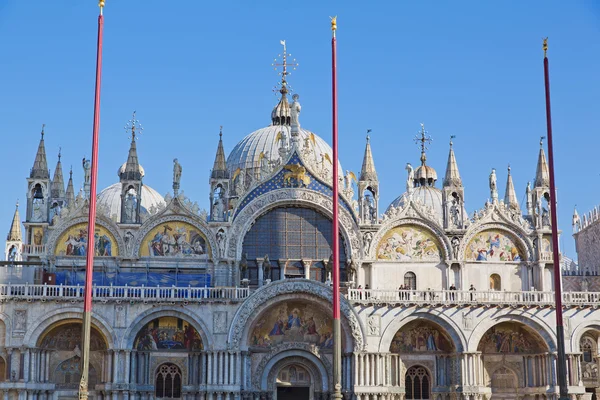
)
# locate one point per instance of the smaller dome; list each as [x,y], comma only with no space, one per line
[111,199]
[425,175]
[427,195]
[122,169]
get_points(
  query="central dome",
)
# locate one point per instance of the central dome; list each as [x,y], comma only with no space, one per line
[246,154]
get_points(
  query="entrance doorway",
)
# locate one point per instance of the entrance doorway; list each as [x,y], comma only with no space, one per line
[293,393]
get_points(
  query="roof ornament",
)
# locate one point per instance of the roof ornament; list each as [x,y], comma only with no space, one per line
[284,64]
[134,126]
[423,140]
[43,126]
[452,137]
[542,141]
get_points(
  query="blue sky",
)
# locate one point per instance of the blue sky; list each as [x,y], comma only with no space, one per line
[467,68]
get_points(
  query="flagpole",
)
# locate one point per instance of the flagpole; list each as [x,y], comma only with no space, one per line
[560,332]
[337,333]
[89,266]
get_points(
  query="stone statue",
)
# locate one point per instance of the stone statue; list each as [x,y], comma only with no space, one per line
[128,242]
[266,265]
[455,214]
[368,239]
[86,170]
[295,114]
[410,179]
[329,266]
[244,266]
[218,209]
[350,270]
[176,175]
[455,246]
[130,206]
[221,242]
[493,187]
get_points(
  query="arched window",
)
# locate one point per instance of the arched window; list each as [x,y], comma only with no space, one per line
[288,235]
[410,281]
[587,347]
[495,282]
[168,382]
[417,383]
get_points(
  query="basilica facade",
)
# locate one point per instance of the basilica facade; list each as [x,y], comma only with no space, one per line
[236,302]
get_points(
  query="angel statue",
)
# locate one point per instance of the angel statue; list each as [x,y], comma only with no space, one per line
[493,187]
[176,175]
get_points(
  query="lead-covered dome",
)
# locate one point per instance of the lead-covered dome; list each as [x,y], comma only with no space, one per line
[111,199]
[427,195]
[247,153]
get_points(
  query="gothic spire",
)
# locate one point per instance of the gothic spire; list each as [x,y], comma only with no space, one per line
[510,196]
[368,172]
[70,195]
[219,170]
[132,170]
[40,165]
[542,176]
[58,183]
[14,235]
[281,114]
[452,177]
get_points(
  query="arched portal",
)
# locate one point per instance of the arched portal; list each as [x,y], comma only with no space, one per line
[289,235]
[495,282]
[2,370]
[417,383]
[514,357]
[425,343]
[62,341]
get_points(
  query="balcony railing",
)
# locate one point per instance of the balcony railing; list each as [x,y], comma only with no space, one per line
[456,297]
[237,294]
[34,250]
[128,293]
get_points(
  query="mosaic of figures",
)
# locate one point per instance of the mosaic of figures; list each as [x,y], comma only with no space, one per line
[293,322]
[175,239]
[168,333]
[492,245]
[420,336]
[74,242]
[67,337]
[405,243]
[37,236]
[510,337]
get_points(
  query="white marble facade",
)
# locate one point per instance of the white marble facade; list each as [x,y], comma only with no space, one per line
[235,302]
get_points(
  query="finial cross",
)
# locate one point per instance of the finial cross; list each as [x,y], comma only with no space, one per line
[422,139]
[284,63]
[134,126]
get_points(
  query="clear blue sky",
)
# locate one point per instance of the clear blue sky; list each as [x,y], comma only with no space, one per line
[466,68]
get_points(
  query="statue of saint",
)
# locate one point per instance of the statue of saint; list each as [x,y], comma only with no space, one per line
[295,113]
[86,170]
[410,178]
[176,172]
[493,187]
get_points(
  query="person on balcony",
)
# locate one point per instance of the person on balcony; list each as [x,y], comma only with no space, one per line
[472,289]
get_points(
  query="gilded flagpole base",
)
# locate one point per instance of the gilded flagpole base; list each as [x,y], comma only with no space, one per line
[85,355]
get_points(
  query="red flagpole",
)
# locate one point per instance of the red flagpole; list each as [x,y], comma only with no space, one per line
[89,266]
[560,333]
[337,333]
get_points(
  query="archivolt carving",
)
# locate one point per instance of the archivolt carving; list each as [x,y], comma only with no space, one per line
[246,313]
[444,242]
[280,197]
[152,223]
[55,232]
[519,235]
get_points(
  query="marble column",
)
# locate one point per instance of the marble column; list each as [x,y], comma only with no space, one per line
[127,366]
[26,353]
